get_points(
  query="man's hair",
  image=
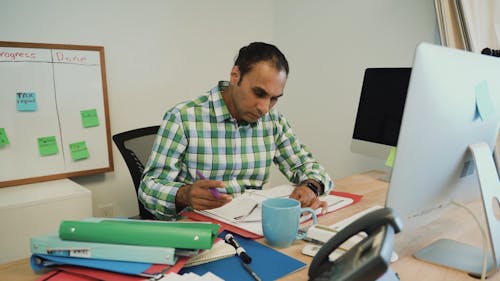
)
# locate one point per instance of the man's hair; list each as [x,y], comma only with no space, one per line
[256,52]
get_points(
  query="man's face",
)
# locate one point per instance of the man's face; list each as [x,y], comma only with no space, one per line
[257,92]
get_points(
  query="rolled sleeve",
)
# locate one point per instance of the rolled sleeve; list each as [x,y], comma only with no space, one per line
[158,187]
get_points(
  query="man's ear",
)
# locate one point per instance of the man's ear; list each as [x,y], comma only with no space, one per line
[235,75]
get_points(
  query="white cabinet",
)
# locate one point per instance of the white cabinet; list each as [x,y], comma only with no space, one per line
[35,209]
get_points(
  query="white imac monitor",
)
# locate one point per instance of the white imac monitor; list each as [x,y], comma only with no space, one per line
[380,110]
[453,102]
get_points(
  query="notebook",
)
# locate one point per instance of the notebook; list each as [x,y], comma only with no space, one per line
[220,250]
[248,206]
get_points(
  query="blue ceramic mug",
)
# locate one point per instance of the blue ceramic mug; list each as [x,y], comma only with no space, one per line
[280,221]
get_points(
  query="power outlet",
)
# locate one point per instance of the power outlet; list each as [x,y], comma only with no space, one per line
[107,210]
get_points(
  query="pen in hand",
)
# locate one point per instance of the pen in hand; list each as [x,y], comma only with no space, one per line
[213,190]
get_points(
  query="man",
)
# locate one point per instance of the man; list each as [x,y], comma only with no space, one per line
[230,136]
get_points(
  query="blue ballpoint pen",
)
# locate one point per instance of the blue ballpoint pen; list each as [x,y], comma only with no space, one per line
[213,190]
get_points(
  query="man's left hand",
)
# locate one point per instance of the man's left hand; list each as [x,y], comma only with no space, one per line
[307,198]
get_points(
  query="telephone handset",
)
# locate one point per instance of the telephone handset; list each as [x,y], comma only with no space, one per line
[367,260]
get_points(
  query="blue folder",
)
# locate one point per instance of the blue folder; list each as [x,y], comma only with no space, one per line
[41,262]
[267,262]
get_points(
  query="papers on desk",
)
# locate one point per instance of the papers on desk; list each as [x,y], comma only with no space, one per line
[248,207]
[190,276]
[321,234]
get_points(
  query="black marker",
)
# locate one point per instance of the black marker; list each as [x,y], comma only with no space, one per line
[251,272]
[239,250]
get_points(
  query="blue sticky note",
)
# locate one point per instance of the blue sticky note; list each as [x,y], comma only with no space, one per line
[26,101]
[484,104]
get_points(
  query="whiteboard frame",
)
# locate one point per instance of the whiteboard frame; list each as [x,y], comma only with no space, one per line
[64,174]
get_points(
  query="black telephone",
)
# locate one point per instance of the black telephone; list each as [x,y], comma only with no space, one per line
[367,260]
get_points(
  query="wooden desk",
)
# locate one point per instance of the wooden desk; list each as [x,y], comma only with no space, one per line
[457,225]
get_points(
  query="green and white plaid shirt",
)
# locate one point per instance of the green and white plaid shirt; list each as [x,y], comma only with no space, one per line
[201,135]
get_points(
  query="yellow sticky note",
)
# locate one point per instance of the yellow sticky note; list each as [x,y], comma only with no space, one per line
[390,159]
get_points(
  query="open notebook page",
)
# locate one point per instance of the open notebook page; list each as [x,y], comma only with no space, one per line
[248,207]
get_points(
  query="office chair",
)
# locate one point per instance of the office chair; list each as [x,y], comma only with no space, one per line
[135,147]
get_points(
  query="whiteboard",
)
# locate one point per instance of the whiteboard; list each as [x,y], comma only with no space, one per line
[54,120]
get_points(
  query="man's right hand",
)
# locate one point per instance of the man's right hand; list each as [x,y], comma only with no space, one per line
[199,197]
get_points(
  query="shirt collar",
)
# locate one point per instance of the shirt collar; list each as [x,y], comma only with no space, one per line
[220,108]
[221,111]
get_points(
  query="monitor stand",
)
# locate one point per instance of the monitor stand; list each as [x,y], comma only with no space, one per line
[389,163]
[387,175]
[464,257]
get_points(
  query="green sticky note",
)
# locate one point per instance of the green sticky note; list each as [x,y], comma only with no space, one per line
[47,146]
[79,150]
[3,138]
[26,101]
[484,104]
[89,118]
[390,159]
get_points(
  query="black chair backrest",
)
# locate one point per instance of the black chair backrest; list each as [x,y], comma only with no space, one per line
[135,147]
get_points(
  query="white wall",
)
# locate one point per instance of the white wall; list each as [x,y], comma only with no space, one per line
[160,52]
[329,44]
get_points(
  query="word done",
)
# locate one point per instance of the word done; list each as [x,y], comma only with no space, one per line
[65,58]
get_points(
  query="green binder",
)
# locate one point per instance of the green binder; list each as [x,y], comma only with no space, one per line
[186,235]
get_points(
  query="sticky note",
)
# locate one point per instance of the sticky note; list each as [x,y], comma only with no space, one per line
[390,159]
[4,140]
[89,118]
[484,104]
[47,146]
[78,150]
[26,101]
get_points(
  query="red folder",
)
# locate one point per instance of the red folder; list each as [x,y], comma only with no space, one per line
[234,229]
[60,275]
[78,273]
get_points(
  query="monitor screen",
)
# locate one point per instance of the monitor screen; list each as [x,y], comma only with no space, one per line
[444,113]
[380,110]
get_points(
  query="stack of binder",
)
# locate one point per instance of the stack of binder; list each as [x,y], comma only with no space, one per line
[114,247]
